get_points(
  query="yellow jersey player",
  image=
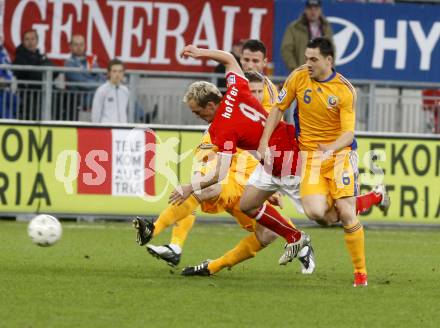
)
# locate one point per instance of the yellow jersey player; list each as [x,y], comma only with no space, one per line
[325,123]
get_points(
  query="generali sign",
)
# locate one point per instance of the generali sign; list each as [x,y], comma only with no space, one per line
[144,34]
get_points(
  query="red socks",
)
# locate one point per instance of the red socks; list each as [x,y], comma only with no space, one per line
[366,201]
[270,218]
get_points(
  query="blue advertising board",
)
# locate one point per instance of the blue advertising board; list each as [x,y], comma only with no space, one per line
[394,42]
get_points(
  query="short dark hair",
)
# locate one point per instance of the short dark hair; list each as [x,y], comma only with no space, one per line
[29,31]
[254,77]
[325,46]
[255,45]
[114,62]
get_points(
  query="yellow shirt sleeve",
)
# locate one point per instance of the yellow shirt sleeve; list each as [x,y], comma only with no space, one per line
[270,94]
[287,93]
[348,111]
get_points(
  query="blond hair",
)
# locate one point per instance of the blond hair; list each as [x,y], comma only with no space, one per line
[202,92]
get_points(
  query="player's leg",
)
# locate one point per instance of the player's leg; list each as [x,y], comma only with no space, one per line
[181,230]
[315,193]
[315,206]
[354,238]
[146,230]
[314,189]
[377,197]
[261,186]
[175,213]
[343,189]
[247,248]
[331,216]
[228,199]
[183,226]
[289,186]
[253,204]
[171,253]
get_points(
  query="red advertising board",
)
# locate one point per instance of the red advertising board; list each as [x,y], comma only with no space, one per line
[144,34]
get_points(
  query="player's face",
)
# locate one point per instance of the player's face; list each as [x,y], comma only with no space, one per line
[253,61]
[320,67]
[206,113]
[257,89]
[116,74]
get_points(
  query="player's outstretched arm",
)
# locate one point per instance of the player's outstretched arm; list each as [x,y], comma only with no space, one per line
[272,121]
[344,140]
[220,56]
[181,193]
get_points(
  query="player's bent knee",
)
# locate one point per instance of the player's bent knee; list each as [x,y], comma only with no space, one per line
[347,217]
[316,214]
[347,213]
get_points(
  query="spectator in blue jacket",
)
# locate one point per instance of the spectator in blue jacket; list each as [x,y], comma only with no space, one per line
[81,96]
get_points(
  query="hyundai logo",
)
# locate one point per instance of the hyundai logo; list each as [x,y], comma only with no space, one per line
[349,40]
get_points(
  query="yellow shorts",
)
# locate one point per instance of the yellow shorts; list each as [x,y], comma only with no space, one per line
[229,201]
[336,176]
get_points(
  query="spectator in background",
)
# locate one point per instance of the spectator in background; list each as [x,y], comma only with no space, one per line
[431,104]
[8,99]
[311,24]
[80,97]
[27,53]
[237,47]
[110,103]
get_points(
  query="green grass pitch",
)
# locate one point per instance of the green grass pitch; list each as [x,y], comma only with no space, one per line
[98,277]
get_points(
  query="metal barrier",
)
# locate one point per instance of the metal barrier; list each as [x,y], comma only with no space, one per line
[156,97]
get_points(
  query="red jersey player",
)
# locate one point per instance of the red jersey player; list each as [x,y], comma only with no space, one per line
[239,122]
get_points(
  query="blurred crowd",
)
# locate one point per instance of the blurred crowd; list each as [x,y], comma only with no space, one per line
[104,98]
[87,95]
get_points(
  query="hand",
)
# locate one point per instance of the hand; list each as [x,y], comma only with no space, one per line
[326,150]
[276,200]
[323,148]
[261,151]
[190,51]
[180,194]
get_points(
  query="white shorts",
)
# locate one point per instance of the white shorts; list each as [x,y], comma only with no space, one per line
[287,185]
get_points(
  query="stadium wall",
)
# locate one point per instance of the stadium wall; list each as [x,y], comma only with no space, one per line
[101,171]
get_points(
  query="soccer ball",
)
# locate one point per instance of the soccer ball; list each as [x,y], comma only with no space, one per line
[44,230]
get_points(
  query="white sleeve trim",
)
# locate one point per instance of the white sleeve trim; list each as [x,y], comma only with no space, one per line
[242,76]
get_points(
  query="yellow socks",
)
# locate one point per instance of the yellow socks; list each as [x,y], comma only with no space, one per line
[181,230]
[174,213]
[354,240]
[246,249]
